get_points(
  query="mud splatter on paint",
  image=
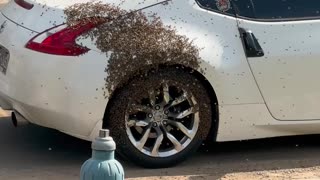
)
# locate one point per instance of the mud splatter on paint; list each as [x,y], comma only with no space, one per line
[134,42]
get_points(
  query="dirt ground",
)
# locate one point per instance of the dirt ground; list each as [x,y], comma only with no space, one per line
[36,153]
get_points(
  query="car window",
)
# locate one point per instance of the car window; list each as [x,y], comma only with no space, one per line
[244,8]
[221,6]
[278,9]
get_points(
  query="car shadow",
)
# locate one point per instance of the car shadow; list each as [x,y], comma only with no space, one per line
[37,148]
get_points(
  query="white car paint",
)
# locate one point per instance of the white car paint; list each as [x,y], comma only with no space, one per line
[48,13]
[287,73]
[66,93]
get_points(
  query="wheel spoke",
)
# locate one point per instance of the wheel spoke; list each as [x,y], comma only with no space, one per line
[140,108]
[190,134]
[140,144]
[185,113]
[178,100]
[135,122]
[175,142]
[155,149]
[166,95]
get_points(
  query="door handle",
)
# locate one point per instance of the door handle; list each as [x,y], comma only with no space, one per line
[250,43]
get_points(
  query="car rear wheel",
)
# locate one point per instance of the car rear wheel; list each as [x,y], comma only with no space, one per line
[159,119]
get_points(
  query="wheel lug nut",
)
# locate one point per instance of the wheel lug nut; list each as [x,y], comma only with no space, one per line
[155,124]
[166,112]
[164,122]
[150,115]
[157,107]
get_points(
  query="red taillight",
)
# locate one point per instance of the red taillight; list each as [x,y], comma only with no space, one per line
[63,41]
[24,4]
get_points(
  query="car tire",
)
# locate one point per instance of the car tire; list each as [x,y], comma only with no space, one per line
[151,132]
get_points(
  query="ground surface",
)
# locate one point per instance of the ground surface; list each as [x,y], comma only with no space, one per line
[36,153]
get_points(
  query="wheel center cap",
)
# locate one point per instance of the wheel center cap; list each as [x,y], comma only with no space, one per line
[158,116]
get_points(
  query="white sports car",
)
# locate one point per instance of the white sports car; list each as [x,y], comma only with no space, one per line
[259,60]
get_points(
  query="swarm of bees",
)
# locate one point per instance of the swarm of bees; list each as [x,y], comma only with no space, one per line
[134,42]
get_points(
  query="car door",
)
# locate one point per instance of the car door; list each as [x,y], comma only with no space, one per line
[282,42]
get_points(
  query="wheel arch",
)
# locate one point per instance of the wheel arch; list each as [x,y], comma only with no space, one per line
[197,74]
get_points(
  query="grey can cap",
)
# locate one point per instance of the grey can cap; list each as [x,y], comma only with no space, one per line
[104,142]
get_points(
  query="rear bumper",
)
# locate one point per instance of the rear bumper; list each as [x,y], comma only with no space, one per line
[11,38]
[64,93]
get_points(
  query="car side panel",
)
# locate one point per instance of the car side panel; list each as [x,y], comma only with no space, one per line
[253,121]
[242,110]
[287,73]
[223,59]
[64,93]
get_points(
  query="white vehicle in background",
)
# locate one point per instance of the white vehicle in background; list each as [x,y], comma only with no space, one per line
[261,61]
